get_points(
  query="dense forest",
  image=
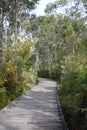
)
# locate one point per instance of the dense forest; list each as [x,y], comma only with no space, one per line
[51,46]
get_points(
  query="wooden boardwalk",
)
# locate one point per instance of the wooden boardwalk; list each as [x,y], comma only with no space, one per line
[38,109]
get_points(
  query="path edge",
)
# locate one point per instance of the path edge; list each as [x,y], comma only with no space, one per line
[17,99]
[65,127]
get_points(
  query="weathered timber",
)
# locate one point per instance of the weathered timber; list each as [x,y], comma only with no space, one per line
[38,109]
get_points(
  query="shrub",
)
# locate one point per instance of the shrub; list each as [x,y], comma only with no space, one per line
[29,77]
[73,96]
[43,73]
[54,73]
[11,81]
[3,97]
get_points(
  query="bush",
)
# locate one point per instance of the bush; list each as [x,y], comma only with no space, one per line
[30,78]
[12,85]
[3,97]
[54,73]
[73,96]
[43,73]
[11,82]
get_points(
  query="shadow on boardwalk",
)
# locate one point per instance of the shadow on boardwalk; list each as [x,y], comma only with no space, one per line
[38,109]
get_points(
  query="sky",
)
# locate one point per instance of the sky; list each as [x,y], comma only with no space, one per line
[41,6]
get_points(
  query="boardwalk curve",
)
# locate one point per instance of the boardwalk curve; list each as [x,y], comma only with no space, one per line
[35,110]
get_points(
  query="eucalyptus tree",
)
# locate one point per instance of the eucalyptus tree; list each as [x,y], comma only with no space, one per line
[13,14]
[47,50]
[58,36]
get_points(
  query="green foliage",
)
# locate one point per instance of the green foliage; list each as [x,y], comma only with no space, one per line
[43,73]
[53,73]
[10,82]
[30,78]
[3,97]
[11,86]
[15,76]
[73,95]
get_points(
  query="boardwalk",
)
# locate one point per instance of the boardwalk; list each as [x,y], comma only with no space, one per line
[36,110]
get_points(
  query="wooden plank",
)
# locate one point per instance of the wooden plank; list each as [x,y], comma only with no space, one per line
[35,110]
